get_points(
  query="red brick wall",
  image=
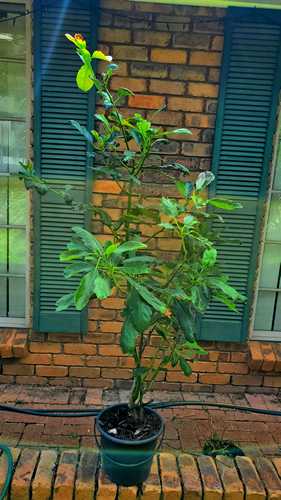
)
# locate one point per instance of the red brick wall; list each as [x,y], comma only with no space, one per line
[169,56]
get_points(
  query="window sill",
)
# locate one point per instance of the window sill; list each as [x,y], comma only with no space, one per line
[13,343]
[265,356]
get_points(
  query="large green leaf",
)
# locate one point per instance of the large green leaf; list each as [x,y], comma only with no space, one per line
[209,257]
[129,336]
[77,268]
[226,288]
[185,319]
[65,302]
[84,78]
[185,367]
[130,246]
[224,204]
[169,207]
[140,311]
[85,290]
[102,287]
[153,301]
[203,180]
[88,239]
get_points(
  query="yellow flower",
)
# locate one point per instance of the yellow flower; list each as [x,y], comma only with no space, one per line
[77,39]
[168,313]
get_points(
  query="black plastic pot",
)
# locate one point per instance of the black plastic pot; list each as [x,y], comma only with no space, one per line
[127,462]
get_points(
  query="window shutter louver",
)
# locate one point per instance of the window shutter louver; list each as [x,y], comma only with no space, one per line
[250,84]
[60,152]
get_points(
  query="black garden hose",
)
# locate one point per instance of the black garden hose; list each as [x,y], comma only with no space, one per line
[94,412]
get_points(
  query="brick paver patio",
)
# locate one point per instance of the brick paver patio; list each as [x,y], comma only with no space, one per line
[186,428]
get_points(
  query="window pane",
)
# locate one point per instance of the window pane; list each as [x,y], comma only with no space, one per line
[4,146]
[271,263]
[17,202]
[3,200]
[13,89]
[3,251]
[264,311]
[13,45]
[16,297]
[277,322]
[3,296]
[17,251]
[17,145]
[274,221]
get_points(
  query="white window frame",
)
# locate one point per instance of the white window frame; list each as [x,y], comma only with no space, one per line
[25,322]
[269,336]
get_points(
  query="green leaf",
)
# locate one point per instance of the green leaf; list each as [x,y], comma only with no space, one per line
[184,188]
[184,318]
[83,131]
[69,255]
[185,367]
[128,155]
[169,207]
[209,257]
[84,78]
[135,269]
[77,268]
[129,336]
[104,120]
[224,204]
[180,131]
[85,290]
[140,258]
[130,246]
[97,54]
[167,225]
[88,239]
[153,301]
[110,249]
[226,289]
[123,92]
[189,221]
[65,302]
[102,287]
[140,311]
[203,180]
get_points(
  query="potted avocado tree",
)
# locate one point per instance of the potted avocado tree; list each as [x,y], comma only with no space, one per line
[163,298]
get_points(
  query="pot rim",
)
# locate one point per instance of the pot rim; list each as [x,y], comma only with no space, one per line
[129,442]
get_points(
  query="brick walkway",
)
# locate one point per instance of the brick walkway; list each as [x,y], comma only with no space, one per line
[186,428]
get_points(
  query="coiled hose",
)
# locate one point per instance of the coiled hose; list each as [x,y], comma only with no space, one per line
[94,412]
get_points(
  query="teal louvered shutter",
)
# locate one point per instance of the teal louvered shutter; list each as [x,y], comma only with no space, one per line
[60,152]
[250,84]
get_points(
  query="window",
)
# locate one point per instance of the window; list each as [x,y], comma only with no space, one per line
[14,127]
[267,325]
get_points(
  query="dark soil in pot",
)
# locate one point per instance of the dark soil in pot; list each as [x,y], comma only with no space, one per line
[127,444]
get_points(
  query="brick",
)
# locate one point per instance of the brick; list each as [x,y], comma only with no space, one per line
[44,476]
[116,373]
[88,349]
[31,380]
[239,357]
[272,381]
[169,244]
[269,477]
[113,303]
[269,358]
[99,338]
[84,372]
[207,26]
[122,69]
[192,40]
[36,359]
[204,366]
[152,7]
[7,338]
[130,53]
[110,326]
[247,380]
[152,485]
[85,480]
[16,369]
[111,34]
[192,489]
[199,120]
[45,348]
[3,465]
[169,56]
[23,475]
[214,75]
[149,70]
[252,483]
[171,485]
[107,186]
[240,368]
[110,350]
[106,489]
[233,488]
[166,87]
[51,371]
[146,101]
[185,104]
[203,89]
[68,360]
[205,58]
[212,486]
[188,73]
[127,493]
[166,118]
[99,313]
[65,477]
[196,149]
[121,5]
[217,43]
[134,84]
[214,378]
[102,361]
[173,376]
[160,38]
[20,346]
